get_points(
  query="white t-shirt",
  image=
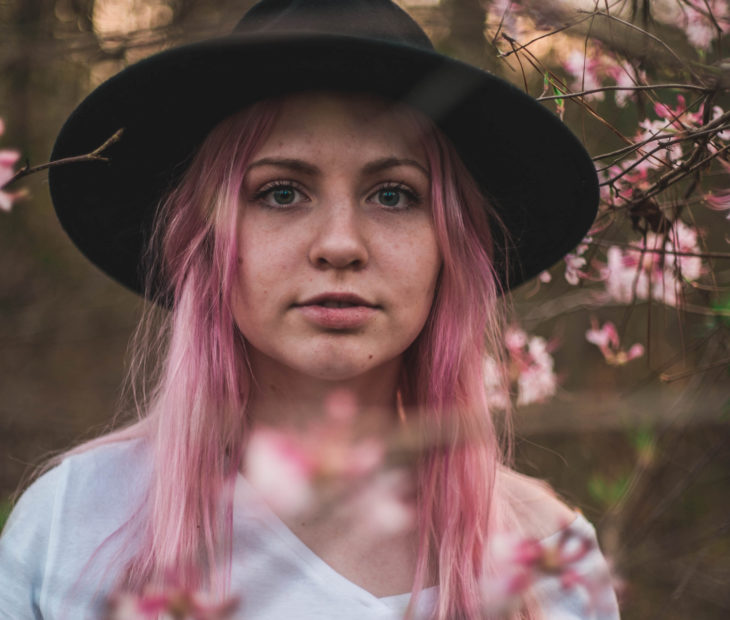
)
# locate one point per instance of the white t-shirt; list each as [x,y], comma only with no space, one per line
[56,531]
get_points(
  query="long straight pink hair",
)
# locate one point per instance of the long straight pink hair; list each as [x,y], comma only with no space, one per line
[194,414]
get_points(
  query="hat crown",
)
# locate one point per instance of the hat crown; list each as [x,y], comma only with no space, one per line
[371,19]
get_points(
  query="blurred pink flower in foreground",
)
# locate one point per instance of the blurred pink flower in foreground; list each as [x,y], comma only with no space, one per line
[288,465]
[517,563]
[654,268]
[531,370]
[607,340]
[8,159]
[169,603]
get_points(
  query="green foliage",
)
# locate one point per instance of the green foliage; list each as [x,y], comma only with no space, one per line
[722,311]
[606,491]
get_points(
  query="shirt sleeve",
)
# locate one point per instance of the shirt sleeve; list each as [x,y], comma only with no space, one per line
[24,547]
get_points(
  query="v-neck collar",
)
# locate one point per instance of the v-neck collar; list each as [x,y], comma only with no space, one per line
[249,503]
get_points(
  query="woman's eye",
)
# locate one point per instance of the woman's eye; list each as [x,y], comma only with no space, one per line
[396,197]
[282,195]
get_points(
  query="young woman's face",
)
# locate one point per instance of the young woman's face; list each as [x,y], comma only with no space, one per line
[338,259]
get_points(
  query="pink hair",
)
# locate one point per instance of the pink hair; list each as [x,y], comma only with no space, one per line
[194,417]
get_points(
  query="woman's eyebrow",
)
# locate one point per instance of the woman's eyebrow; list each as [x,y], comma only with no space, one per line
[391,162]
[292,164]
[372,167]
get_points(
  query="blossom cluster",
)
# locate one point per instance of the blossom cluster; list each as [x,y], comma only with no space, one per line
[661,150]
[518,563]
[607,340]
[530,370]
[701,19]
[656,267]
[171,602]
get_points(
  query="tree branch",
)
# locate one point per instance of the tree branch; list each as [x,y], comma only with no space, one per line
[94,155]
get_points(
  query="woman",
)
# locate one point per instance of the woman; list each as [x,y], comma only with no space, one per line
[307,198]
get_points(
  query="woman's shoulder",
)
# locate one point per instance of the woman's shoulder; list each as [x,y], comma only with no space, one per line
[64,517]
[99,478]
[535,506]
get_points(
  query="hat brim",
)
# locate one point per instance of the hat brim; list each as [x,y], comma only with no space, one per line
[543,182]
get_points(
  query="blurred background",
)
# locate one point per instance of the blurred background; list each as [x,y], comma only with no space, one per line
[643,449]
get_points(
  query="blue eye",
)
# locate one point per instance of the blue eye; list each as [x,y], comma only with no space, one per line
[396,197]
[283,195]
[389,197]
[280,194]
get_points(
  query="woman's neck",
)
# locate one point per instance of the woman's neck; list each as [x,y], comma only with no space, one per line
[281,396]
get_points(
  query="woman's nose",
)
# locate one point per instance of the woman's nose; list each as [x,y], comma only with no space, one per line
[339,241]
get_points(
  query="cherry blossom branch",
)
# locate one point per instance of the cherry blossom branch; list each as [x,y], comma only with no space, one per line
[661,250]
[94,155]
[636,87]
[662,142]
[679,173]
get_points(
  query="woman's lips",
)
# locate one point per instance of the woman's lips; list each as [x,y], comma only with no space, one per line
[337,311]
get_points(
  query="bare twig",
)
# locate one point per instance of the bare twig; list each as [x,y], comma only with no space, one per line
[94,155]
[602,89]
[648,34]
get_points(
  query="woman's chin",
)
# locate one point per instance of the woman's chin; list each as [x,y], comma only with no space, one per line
[339,370]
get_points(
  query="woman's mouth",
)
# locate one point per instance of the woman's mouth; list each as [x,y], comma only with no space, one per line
[337,311]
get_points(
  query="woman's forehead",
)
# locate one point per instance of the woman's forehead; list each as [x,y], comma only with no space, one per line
[317,120]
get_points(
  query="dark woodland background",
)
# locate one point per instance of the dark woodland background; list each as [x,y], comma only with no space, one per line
[648,461]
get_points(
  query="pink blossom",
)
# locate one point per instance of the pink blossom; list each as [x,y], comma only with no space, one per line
[668,113]
[8,159]
[590,72]
[717,111]
[281,469]
[585,71]
[624,78]
[530,371]
[607,340]
[700,29]
[719,201]
[624,278]
[537,382]
[515,339]
[171,601]
[684,239]
[545,277]
[502,12]
[515,564]
[575,262]
[288,466]
[653,268]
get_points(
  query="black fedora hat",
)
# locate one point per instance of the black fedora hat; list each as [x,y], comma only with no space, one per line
[539,176]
